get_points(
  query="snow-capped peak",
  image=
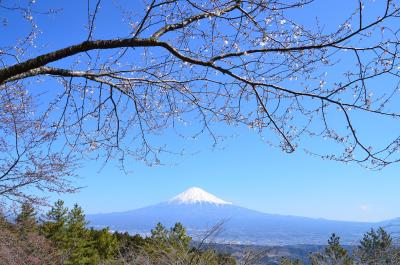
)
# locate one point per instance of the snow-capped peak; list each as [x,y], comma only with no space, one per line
[197,195]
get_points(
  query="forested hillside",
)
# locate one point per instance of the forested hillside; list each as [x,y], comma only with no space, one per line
[62,237]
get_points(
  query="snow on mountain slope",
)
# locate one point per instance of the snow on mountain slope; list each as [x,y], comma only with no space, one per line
[197,195]
[199,210]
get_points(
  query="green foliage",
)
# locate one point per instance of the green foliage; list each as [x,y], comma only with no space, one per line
[376,248]
[128,244]
[105,243]
[173,247]
[63,238]
[178,236]
[67,229]
[159,232]
[174,241]
[79,244]
[164,243]
[26,219]
[55,227]
[334,254]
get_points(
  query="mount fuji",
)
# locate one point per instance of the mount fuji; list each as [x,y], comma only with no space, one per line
[199,211]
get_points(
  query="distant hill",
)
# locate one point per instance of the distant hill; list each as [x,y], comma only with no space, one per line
[198,211]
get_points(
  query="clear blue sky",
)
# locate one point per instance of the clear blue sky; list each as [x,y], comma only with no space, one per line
[249,173]
[242,169]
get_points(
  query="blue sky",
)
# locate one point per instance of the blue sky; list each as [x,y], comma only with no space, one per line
[242,169]
[251,174]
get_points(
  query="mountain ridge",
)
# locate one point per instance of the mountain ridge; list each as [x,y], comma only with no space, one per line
[199,211]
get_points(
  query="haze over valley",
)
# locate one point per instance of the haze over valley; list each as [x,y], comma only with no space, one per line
[199,211]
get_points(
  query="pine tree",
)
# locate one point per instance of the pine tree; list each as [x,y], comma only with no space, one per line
[376,248]
[79,245]
[55,227]
[67,230]
[159,232]
[26,219]
[167,247]
[334,254]
[129,246]
[105,243]
[157,243]
[178,236]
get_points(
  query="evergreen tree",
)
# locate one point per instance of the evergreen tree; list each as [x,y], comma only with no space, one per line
[173,246]
[105,243]
[128,245]
[157,243]
[376,248]
[334,254]
[55,227]
[178,236]
[166,247]
[26,219]
[159,232]
[79,245]
[67,230]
